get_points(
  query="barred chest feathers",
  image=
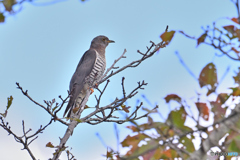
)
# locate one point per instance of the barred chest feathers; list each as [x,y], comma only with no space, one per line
[97,71]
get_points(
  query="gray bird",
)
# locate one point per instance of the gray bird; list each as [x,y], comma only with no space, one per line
[89,70]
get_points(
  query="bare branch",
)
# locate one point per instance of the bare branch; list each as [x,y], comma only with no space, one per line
[53,114]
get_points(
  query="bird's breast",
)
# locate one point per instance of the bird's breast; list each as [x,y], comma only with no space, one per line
[98,69]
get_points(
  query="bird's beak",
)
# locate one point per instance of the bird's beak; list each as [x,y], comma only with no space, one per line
[111,41]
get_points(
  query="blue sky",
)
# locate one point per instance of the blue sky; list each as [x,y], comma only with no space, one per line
[41,46]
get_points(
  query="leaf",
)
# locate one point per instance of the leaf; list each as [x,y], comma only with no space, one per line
[234,146]
[174,97]
[201,39]
[235,50]
[167,36]
[177,118]
[54,108]
[109,154]
[2,18]
[203,109]
[133,128]
[188,144]
[10,99]
[125,108]
[208,76]
[235,91]
[235,20]
[78,120]
[151,147]
[75,109]
[218,111]
[133,141]
[231,29]
[50,145]
[237,77]
[86,107]
[150,111]
[169,154]
[8,4]
[222,98]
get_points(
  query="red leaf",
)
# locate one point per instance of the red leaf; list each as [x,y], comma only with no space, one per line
[235,20]
[230,28]
[174,97]
[218,111]
[222,98]
[203,109]
[208,76]
[167,36]
[201,39]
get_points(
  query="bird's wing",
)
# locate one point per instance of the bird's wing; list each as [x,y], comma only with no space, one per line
[83,69]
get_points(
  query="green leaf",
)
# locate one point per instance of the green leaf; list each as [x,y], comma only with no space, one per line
[188,144]
[167,36]
[234,146]
[208,76]
[201,39]
[151,147]
[2,18]
[50,145]
[235,91]
[10,99]
[54,108]
[8,4]
[177,118]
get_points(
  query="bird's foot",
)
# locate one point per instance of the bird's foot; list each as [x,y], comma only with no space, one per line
[96,85]
[91,90]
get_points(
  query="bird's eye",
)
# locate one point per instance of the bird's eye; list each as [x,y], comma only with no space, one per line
[104,39]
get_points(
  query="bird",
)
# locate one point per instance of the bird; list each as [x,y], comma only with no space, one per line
[88,72]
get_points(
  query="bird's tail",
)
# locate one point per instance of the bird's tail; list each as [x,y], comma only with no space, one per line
[71,104]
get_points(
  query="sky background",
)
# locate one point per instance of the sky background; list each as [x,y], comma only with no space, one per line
[41,46]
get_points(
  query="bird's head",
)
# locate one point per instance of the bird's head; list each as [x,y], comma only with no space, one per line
[101,42]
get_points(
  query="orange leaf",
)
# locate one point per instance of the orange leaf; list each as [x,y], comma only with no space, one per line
[201,39]
[235,50]
[167,36]
[133,128]
[230,28]
[109,154]
[125,108]
[174,97]
[235,20]
[208,76]
[235,91]
[203,109]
